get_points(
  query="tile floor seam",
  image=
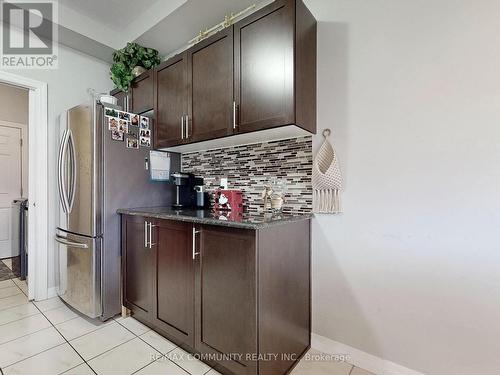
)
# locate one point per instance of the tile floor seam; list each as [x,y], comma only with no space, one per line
[108,350]
[34,355]
[24,317]
[21,292]
[67,342]
[139,336]
[164,356]
[12,305]
[13,321]
[24,335]
[8,286]
[85,334]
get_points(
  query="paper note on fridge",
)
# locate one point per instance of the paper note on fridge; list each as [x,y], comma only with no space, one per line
[159,163]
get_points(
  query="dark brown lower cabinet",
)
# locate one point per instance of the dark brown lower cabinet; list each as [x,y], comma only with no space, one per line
[137,267]
[226,289]
[174,280]
[238,297]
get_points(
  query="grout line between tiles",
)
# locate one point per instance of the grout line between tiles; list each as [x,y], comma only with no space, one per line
[34,355]
[21,292]
[3,309]
[108,350]
[67,342]
[25,334]
[162,355]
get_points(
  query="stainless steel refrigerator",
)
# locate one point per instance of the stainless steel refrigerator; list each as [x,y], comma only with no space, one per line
[96,176]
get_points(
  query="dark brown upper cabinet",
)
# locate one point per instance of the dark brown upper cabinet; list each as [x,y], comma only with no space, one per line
[275,67]
[170,93]
[137,267]
[174,274]
[210,88]
[121,97]
[142,93]
[258,74]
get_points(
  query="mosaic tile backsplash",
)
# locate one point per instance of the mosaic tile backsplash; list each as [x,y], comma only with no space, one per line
[250,167]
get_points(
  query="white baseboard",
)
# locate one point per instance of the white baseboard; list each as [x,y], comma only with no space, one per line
[360,358]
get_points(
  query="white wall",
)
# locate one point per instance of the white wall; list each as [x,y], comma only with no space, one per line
[67,87]
[411,271]
[13,104]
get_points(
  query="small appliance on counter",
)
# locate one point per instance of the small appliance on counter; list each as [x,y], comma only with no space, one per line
[202,197]
[185,194]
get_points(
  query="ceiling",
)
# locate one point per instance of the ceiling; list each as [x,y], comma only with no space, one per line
[167,25]
[175,30]
[116,14]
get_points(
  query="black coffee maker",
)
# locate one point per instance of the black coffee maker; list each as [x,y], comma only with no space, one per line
[185,194]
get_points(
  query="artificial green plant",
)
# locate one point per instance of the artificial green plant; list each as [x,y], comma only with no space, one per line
[127,58]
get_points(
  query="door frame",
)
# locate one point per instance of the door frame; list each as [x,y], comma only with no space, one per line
[38,227]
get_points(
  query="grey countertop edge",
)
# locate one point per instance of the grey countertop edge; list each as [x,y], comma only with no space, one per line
[211,221]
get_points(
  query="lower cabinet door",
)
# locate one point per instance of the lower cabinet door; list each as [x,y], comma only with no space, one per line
[225,300]
[137,267]
[174,275]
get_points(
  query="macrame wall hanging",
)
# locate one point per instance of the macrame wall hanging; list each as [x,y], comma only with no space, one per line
[326,179]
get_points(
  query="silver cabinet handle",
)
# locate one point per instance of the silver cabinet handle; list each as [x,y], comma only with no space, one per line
[145,234]
[234,115]
[182,127]
[187,126]
[151,226]
[194,243]
[65,241]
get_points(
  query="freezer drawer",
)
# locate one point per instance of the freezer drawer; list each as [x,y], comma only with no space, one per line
[79,276]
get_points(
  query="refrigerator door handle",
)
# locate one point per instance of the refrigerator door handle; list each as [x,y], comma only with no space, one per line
[65,241]
[63,170]
[60,173]
[72,154]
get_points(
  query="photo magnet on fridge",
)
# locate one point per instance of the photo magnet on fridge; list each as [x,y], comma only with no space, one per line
[144,122]
[111,112]
[117,135]
[134,119]
[123,126]
[113,123]
[132,143]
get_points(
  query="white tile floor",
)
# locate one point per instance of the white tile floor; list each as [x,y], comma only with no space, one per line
[48,338]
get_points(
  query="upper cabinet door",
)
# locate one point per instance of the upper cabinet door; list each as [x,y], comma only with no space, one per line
[171,102]
[264,67]
[142,93]
[121,98]
[210,82]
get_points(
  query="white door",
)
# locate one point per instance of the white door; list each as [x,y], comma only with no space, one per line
[10,184]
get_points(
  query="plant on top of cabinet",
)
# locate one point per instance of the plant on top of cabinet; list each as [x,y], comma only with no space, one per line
[127,60]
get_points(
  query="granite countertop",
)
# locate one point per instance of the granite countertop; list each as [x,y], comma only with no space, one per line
[223,218]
